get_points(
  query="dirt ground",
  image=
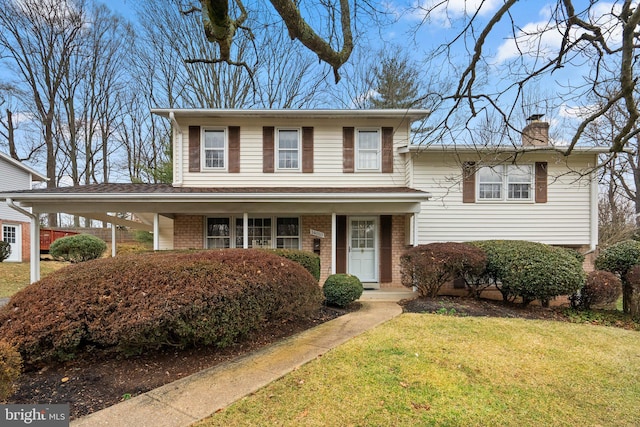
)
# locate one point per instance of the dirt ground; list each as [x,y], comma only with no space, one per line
[89,384]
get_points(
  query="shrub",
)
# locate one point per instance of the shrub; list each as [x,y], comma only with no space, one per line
[428,267]
[10,368]
[144,237]
[78,248]
[342,289]
[134,303]
[531,271]
[5,250]
[602,288]
[309,260]
[620,259]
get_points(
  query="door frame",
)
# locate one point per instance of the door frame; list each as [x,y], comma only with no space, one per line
[16,248]
[371,283]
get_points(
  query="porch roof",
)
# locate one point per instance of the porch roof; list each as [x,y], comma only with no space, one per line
[94,200]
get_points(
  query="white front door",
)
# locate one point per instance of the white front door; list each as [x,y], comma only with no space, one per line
[12,234]
[363,249]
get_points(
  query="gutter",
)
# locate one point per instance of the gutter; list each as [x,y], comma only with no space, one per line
[34,256]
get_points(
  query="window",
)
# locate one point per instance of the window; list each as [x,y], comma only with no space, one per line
[288,233]
[214,149]
[516,179]
[288,149]
[368,150]
[218,233]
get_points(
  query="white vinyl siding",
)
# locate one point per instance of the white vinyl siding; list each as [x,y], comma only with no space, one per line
[327,154]
[564,220]
[13,178]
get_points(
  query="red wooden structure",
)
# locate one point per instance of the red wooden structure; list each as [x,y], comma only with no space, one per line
[49,235]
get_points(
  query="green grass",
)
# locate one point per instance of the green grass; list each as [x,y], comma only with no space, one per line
[422,369]
[15,275]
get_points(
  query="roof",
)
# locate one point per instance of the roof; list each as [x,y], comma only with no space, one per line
[454,148]
[35,176]
[411,114]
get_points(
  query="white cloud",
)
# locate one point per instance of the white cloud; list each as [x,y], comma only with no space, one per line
[542,39]
[443,12]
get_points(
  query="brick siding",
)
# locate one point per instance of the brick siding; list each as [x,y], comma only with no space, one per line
[188,232]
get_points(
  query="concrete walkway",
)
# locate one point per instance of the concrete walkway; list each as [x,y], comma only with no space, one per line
[193,398]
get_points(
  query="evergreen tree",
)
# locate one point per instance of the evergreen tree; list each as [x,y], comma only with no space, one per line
[397,84]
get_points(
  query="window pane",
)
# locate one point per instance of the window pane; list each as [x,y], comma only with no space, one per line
[218,233]
[288,149]
[490,174]
[288,233]
[214,158]
[368,140]
[519,174]
[214,149]
[368,150]
[259,232]
[214,139]
[519,180]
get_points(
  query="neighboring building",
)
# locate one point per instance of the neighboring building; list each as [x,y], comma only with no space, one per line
[347,184]
[15,225]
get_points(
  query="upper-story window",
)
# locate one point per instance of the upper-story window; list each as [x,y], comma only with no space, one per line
[505,182]
[215,149]
[288,149]
[368,151]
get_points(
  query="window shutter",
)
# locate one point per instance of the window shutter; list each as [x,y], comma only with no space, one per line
[347,149]
[341,244]
[194,148]
[468,182]
[307,149]
[387,150]
[234,149]
[268,149]
[541,182]
[386,271]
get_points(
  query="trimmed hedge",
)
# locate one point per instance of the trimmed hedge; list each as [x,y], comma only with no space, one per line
[531,271]
[5,250]
[620,259]
[77,248]
[134,303]
[10,369]
[342,289]
[309,260]
[428,267]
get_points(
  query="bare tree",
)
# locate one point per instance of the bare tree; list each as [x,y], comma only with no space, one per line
[597,43]
[39,37]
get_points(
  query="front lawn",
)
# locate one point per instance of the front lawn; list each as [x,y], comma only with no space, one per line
[425,369]
[15,275]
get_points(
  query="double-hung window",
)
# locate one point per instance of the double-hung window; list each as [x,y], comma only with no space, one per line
[218,233]
[368,149]
[215,149]
[262,234]
[505,182]
[287,233]
[288,149]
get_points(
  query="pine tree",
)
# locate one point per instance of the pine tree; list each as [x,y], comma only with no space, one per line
[397,83]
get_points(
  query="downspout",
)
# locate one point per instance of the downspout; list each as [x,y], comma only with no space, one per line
[593,244]
[177,151]
[34,229]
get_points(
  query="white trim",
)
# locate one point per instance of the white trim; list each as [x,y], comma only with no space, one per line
[156,231]
[594,211]
[233,233]
[504,184]
[334,241]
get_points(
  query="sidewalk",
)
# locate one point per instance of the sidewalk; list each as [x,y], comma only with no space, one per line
[193,398]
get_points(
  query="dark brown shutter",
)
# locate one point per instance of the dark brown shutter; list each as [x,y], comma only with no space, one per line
[267,149]
[234,149]
[469,182]
[341,244]
[307,150]
[387,150]
[347,149]
[541,182]
[194,148]
[386,271]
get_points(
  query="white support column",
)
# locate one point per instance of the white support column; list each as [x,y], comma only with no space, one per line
[334,241]
[113,240]
[34,228]
[245,230]
[156,231]
[415,229]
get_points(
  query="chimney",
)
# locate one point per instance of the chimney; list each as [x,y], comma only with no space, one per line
[536,132]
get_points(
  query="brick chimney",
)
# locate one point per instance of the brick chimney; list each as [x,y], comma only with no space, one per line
[536,132]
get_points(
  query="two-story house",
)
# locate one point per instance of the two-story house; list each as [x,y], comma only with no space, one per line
[15,225]
[346,184]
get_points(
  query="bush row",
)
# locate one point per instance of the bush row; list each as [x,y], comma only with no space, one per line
[309,260]
[519,269]
[138,302]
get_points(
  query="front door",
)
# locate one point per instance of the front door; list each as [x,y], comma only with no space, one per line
[12,235]
[362,249]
